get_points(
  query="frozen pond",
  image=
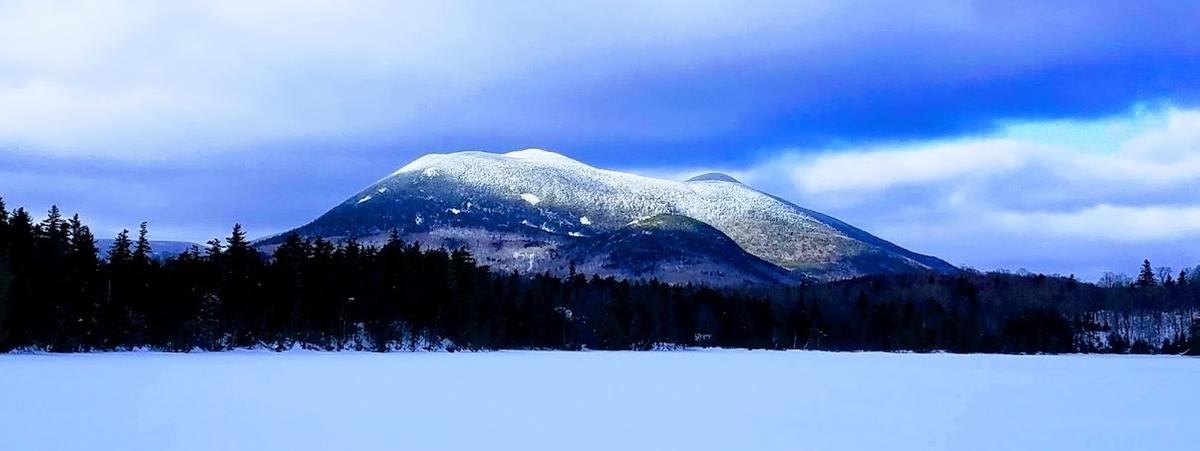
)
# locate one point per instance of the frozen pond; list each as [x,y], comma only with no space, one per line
[691,400]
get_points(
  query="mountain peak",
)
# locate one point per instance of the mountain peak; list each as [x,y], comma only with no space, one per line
[538,155]
[713,176]
[429,161]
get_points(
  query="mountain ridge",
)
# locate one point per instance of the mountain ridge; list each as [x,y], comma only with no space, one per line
[527,210]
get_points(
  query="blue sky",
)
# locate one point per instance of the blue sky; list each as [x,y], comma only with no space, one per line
[1054,137]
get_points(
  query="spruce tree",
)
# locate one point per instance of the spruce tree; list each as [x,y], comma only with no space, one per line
[21,236]
[237,245]
[83,243]
[214,250]
[288,287]
[79,317]
[146,309]
[53,221]
[142,250]
[47,270]
[3,226]
[246,311]
[120,253]
[1146,275]
[19,326]
[6,278]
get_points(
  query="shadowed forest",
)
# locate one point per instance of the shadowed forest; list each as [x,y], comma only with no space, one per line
[60,293]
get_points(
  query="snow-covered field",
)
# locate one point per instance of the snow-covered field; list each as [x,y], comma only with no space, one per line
[697,400]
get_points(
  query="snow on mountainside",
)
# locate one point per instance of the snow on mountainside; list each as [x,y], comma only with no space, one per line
[676,249]
[534,210]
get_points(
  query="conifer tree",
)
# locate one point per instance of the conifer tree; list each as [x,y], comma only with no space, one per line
[117,328]
[287,275]
[18,326]
[120,253]
[142,250]
[3,226]
[237,246]
[83,243]
[79,317]
[6,277]
[21,236]
[215,249]
[48,269]
[53,222]
[1146,275]
[246,311]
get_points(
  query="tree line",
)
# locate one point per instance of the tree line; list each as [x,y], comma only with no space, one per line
[59,293]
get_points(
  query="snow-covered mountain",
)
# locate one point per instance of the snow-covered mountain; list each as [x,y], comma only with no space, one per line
[534,210]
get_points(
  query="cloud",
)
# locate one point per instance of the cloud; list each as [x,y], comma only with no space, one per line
[1110,222]
[908,121]
[640,80]
[1178,139]
[875,170]
[1160,156]
[981,201]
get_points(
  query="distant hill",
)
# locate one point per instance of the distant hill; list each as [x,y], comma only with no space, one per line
[161,250]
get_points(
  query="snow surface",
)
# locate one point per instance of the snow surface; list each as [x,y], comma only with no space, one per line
[539,155]
[531,198]
[693,400]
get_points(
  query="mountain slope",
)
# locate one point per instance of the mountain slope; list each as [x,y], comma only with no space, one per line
[675,249]
[528,210]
